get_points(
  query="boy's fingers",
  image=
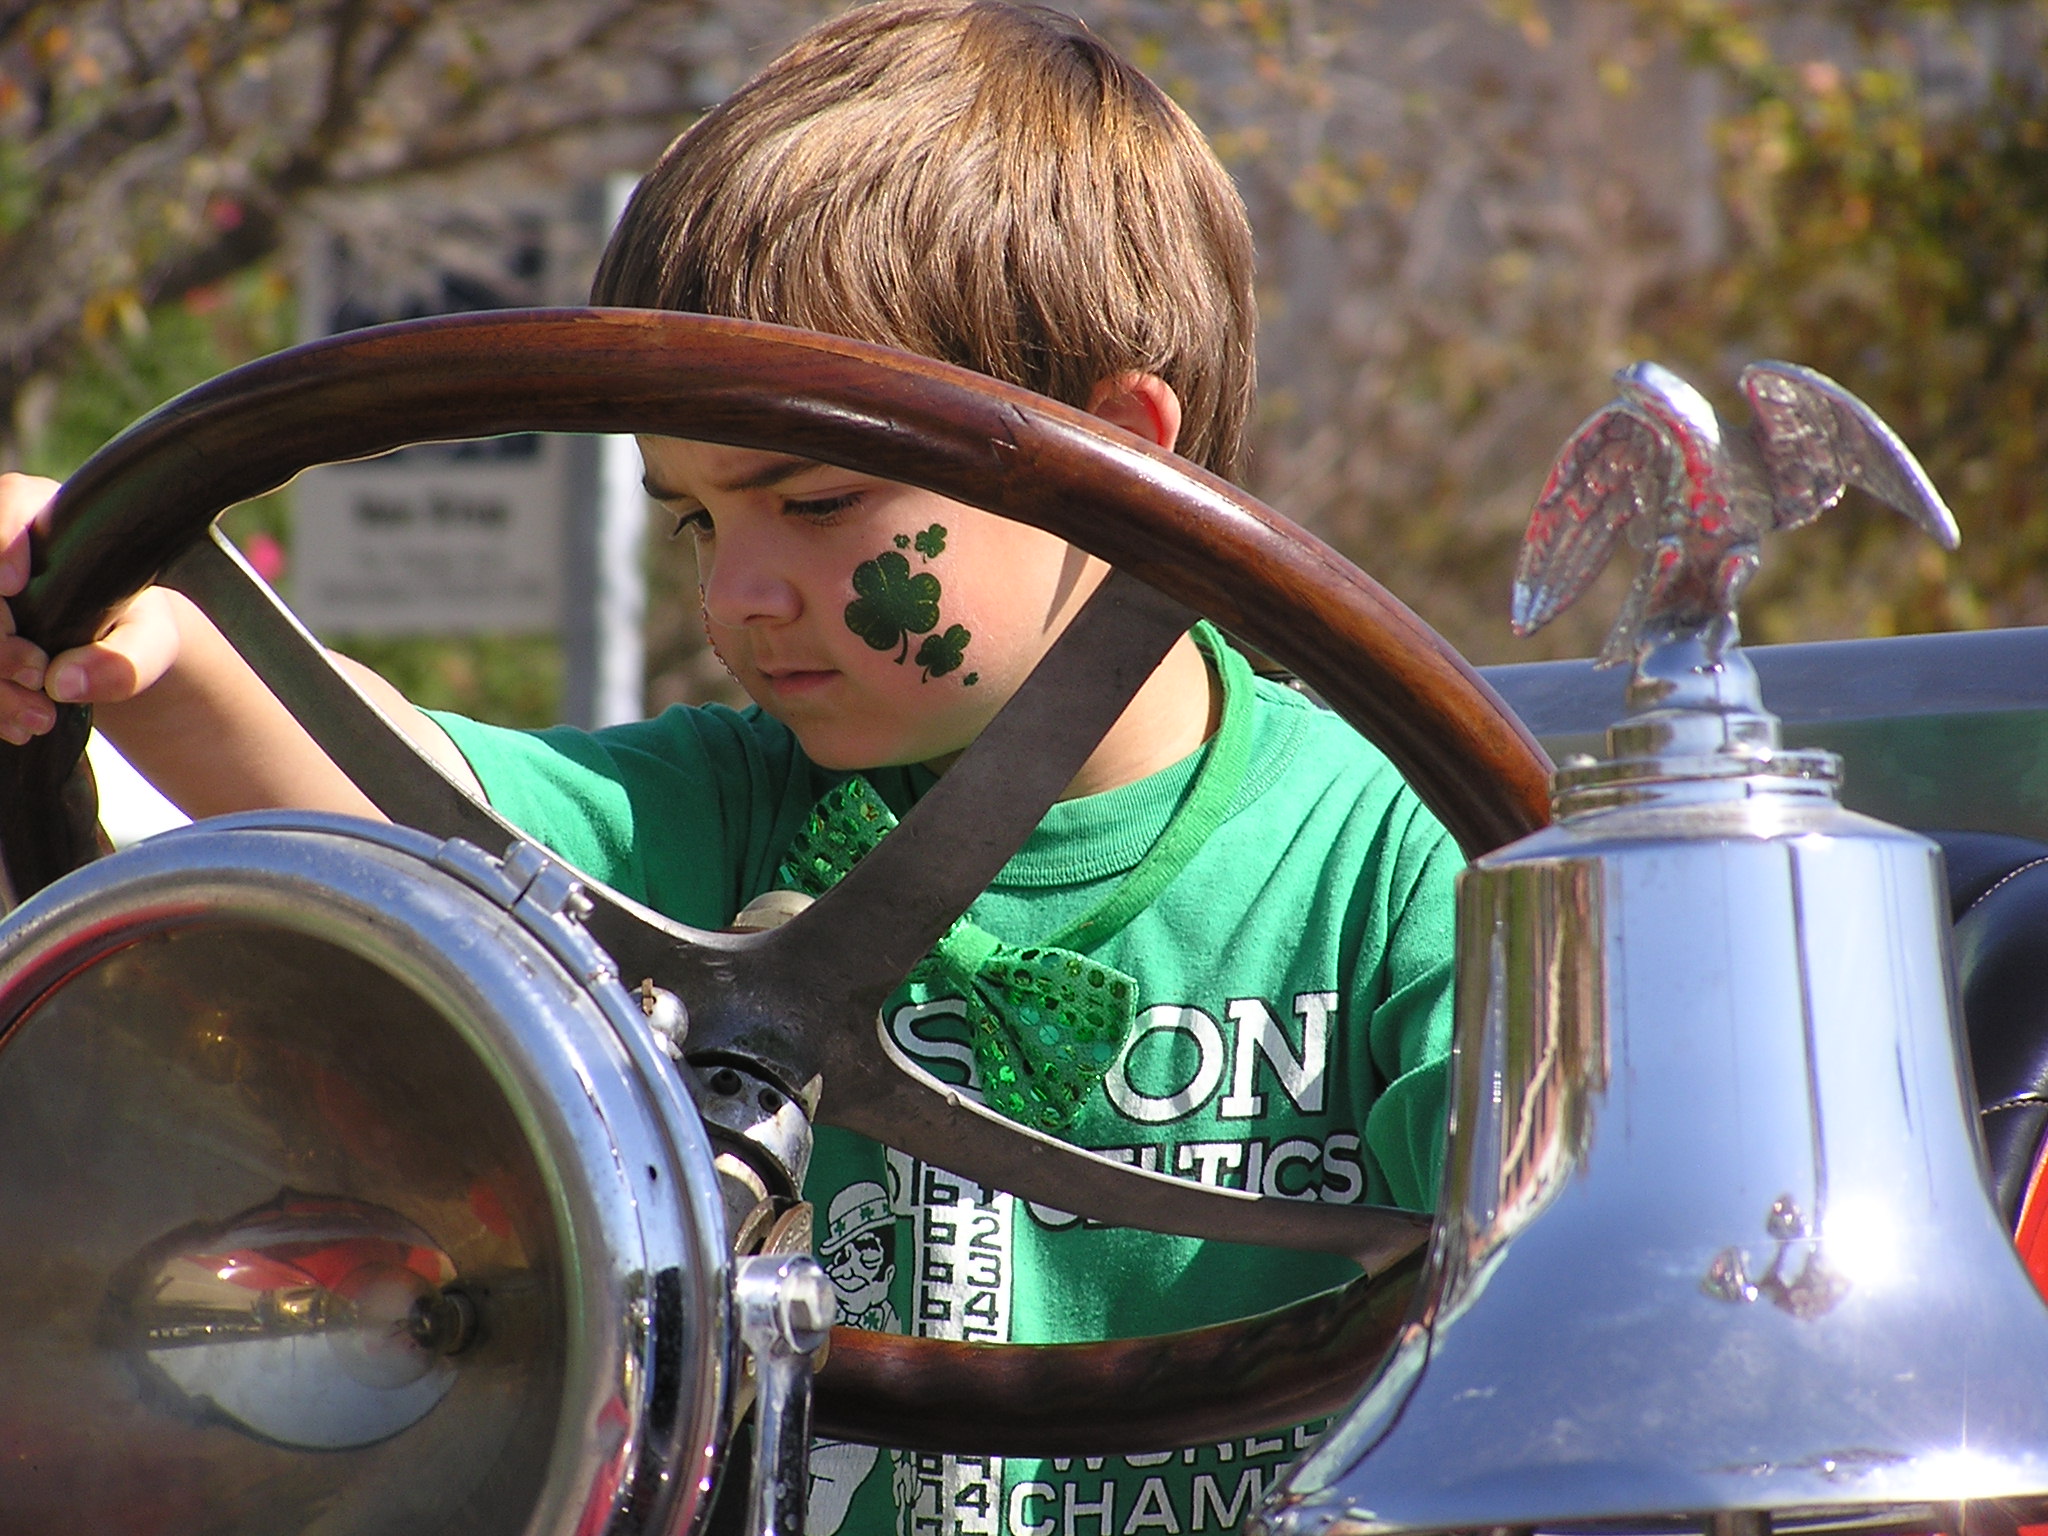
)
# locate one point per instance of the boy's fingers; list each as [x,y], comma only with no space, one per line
[93,674]
[96,674]
[22,662]
[24,713]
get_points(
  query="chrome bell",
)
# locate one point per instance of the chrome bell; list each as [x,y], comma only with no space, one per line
[1715,1248]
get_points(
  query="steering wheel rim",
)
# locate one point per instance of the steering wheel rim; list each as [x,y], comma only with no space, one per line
[1202,543]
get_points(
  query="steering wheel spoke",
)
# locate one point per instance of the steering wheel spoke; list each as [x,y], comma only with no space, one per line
[892,1101]
[399,779]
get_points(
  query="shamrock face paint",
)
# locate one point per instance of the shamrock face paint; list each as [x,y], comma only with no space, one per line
[891,603]
[940,654]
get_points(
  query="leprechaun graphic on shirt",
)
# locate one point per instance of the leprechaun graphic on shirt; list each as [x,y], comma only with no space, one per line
[858,1250]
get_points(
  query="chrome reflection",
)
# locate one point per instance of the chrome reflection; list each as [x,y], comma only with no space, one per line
[207,1031]
[1527,1109]
[1815,1289]
[316,1323]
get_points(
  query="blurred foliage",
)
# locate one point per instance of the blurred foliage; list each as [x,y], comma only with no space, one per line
[1888,202]
[509,679]
[155,158]
[146,150]
[1469,214]
[132,360]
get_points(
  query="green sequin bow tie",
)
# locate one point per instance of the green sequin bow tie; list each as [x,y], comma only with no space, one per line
[1044,1023]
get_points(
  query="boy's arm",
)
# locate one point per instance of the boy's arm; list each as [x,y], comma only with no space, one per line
[1410,1029]
[214,738]
[178,700]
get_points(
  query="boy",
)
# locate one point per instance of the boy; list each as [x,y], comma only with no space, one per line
[990,186]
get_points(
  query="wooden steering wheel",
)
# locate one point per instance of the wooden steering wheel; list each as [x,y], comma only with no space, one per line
[1182,543]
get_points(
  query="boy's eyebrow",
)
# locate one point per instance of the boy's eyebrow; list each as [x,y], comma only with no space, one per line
[772,473]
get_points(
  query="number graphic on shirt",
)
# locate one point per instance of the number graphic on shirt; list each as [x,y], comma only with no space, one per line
[960,1290]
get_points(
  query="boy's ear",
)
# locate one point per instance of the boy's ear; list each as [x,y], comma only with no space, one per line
[1142,403]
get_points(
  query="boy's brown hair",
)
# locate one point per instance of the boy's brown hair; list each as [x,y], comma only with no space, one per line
[979,182]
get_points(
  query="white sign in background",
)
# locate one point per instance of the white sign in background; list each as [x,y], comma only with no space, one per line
[434,540]
[442,539]
[523,535]
[461,538]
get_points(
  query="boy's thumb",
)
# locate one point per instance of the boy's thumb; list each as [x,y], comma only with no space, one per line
[131,656]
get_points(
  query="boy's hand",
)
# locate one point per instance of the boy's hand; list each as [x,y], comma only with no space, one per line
[137,648]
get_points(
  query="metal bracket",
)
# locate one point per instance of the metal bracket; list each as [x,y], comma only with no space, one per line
[786,1308]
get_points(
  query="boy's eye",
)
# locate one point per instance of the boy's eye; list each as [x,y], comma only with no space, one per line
[823,509]
[697,522]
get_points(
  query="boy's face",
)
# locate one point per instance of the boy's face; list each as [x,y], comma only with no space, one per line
[881,623]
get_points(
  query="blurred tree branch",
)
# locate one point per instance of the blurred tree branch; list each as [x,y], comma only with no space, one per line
[1462,210]
[148,147]
[1888,202]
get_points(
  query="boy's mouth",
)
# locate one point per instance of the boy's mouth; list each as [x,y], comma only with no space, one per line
[795,681]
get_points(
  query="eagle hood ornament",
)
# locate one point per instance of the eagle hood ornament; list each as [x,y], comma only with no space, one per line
[1695,497]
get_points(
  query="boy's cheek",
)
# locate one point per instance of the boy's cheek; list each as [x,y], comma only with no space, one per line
[892,717]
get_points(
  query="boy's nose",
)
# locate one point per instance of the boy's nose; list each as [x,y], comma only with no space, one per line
[741,587]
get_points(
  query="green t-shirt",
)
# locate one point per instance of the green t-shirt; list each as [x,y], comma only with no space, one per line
[1292,1037]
